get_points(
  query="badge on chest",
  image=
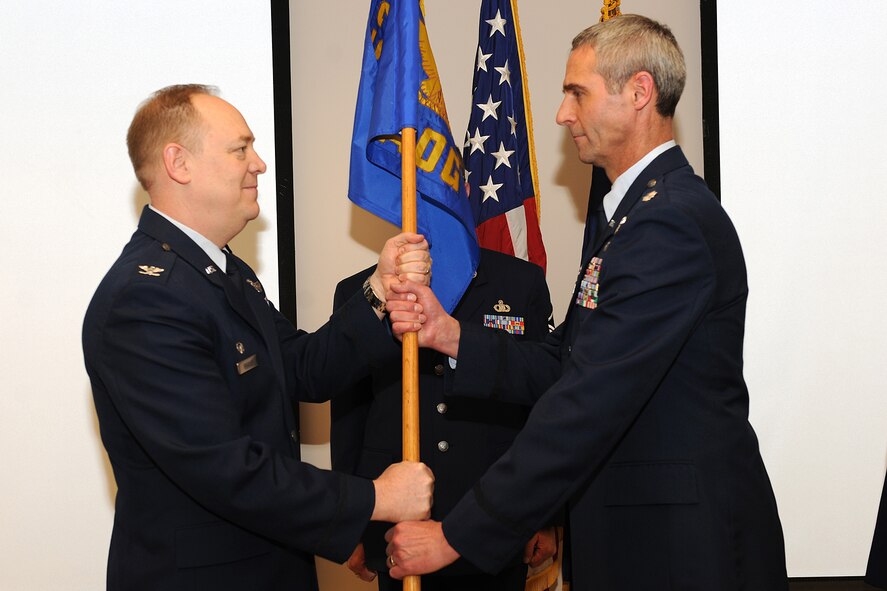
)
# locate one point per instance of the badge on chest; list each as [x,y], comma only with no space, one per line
[512,324]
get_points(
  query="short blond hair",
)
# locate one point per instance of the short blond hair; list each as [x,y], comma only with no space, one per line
[631,43]
[166,116]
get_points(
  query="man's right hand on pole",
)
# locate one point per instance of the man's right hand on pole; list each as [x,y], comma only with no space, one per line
[415,308]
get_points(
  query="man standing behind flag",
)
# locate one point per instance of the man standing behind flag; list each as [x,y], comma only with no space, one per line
[500,160]
[400,88]
[461,436]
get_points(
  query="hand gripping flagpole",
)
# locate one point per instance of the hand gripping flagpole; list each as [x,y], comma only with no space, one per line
[410,426]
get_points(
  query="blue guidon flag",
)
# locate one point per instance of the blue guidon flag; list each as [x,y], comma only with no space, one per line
[499,155]
[400,87]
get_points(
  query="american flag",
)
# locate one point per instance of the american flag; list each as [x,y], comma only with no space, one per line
[499,157]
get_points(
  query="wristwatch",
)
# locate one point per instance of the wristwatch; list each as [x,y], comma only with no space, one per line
[372,298]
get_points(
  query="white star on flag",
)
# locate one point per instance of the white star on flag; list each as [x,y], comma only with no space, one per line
[506,210]
[505,74]
[489,108]
[502,156]
[477,142]
[497,24]
[490,189]
[482,59]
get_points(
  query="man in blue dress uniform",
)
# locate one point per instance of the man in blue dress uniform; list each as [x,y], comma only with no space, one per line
[640,423]
[196,377]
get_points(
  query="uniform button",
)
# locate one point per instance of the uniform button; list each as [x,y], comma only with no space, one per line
[442,408]
[439,369]
[569,348]
[294,435]
[443,446]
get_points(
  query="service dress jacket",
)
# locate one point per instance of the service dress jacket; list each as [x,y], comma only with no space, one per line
[640,424]
[196,386]
[460,437]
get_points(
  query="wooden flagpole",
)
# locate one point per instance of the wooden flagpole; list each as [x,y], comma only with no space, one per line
[410,339]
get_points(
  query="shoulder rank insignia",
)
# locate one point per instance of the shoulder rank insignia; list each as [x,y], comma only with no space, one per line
[255,284]
[502,307]
[648,195]
[150,270]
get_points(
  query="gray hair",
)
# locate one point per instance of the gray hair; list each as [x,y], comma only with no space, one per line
[628,44]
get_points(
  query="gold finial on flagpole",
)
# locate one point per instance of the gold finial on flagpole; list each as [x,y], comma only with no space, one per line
[610,9]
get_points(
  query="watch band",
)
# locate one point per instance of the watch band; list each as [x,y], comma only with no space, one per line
[372,298]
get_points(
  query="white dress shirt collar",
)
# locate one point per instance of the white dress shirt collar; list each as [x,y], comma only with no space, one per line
[212,251]
[623,181]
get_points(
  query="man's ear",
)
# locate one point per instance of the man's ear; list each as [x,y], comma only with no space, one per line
[175,162]
[643,89]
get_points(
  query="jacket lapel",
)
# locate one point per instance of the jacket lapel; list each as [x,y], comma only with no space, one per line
[250,304]
[670,160]
[259,312]
[171,238]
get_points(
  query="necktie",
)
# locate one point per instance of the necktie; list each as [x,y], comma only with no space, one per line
[233,272]
[595,225]
[234,286]
[602,222]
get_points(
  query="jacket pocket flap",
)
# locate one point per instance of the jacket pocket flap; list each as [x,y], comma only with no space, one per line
[216,543]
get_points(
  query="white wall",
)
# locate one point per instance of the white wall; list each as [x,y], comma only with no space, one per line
[802,135]
[71,77]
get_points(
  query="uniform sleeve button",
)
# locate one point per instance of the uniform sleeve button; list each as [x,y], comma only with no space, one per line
[439,369]
[442,408]
[443,446]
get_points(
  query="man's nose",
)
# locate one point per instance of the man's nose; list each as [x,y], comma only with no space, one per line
[259,166]
[564,113]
